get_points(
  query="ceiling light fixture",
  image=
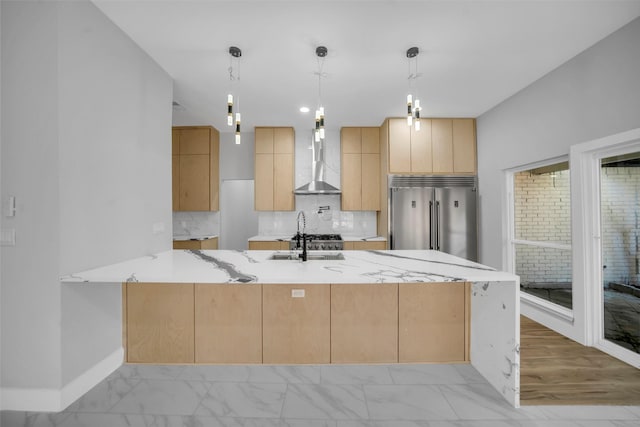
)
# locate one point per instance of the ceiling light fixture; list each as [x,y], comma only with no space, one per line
[234,53]
[321,53]
[304,109]
[413,108]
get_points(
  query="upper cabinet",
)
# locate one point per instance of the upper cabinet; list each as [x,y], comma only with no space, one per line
[360,168]
[195,165]
[442,146]
[274,168]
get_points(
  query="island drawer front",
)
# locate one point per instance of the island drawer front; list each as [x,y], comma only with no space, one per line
[228,323]
[296,328]
[159,323]
[433,322]
[364,323]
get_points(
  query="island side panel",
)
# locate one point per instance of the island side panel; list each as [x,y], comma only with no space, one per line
[495,336]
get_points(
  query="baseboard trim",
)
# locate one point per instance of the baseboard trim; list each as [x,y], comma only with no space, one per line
[56,400]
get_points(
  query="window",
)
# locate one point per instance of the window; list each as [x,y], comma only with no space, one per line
[541,235]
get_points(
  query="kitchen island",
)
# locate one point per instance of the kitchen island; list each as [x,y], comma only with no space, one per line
[213,306]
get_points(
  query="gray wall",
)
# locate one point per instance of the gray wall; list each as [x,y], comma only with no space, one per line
[85,112]
[593,95]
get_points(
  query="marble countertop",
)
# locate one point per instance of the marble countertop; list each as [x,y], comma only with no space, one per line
[182,237]
[225,266]
[345,238]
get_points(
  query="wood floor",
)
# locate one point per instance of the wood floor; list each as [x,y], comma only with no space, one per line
[555,370]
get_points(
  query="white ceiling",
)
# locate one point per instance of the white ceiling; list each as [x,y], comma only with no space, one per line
[473,54]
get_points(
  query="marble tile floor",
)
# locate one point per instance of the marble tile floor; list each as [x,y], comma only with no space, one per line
[314,396]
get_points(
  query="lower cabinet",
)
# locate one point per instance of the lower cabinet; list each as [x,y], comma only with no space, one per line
[268,245]
[358,245]
[364,323]
[211,243]
[160,327]
[433,322]
[228,323]
[296,323]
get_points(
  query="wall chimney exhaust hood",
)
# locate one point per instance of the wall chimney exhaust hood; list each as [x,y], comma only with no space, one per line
[317,184]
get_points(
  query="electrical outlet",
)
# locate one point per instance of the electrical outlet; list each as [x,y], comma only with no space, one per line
[297,293]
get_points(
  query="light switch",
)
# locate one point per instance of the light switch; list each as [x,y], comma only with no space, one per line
[8,237]
[297,293]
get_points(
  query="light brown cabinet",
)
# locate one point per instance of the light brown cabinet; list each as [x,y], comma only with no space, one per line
[433,322]
[296,323]
[441,146]
[274,168]
[159,322]
[360,168]
[195,168]
[364,323]
[211,243]
[359,245]
[228,323]
[268,245]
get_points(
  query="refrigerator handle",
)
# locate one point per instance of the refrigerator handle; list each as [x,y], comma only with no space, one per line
[437,221]
[430,224]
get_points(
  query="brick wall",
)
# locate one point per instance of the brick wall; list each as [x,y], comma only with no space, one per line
[542,213]
[620,201]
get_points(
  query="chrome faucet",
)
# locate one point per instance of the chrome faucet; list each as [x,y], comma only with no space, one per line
[303,236]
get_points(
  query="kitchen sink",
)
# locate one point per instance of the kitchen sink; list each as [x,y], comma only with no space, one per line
[315,256]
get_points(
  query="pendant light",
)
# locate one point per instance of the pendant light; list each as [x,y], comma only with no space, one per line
[321,53]
[234,53]
[413,108]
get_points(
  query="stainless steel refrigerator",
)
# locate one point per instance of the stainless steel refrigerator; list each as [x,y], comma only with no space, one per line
[434,212]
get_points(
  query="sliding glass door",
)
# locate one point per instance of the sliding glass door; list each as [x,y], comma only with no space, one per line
[620,249]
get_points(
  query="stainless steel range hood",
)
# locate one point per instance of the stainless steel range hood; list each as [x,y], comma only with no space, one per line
[317,185]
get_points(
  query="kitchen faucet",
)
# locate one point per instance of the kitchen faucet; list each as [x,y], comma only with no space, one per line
[304,235]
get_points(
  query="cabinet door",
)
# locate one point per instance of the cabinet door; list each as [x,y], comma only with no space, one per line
[364,323]
[187,244]
[194,182]
[228,323]
[263,139]
[421,147]
[351,181]
[370,182]
[433,322]
[370,140]
[264,182]
[464,146]
[350,140]
[296,321]
[160,323]
[194,141]
[370,246]
[214,171]
[283,140]
[211,243]
[442,140]
[283,167]
[256,245]
[399,146]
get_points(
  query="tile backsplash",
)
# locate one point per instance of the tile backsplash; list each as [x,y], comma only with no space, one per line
[323,215]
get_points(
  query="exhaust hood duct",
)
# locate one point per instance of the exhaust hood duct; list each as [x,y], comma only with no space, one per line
[317,184]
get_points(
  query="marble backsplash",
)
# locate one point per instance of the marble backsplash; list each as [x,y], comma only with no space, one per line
[196,224]
[323,215]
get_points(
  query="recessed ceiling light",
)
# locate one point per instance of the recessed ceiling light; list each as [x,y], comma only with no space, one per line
[304,109]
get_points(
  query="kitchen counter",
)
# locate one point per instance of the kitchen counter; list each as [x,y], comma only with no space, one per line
[224,266]
[286,238]
[494,305]
[183,237]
